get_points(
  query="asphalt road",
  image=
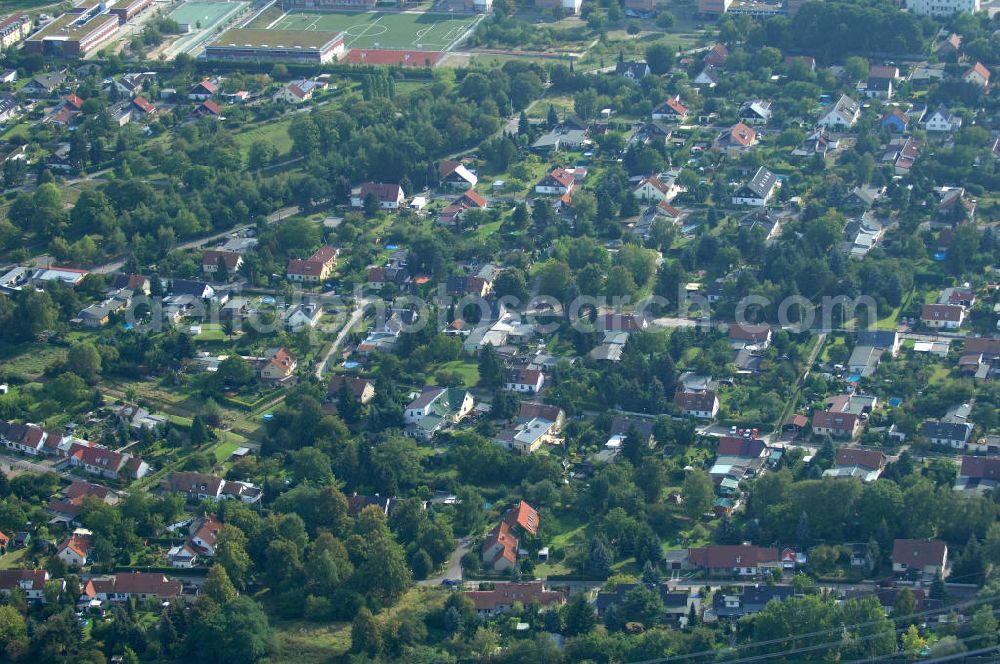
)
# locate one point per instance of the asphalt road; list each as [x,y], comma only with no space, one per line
[358,313]
[454,569]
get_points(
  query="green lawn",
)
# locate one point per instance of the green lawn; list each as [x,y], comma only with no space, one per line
[13,559]
[468,370]
[30,359]
[411,31]
[211,332]
[275,133]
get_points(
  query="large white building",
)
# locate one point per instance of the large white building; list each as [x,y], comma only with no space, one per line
[942,7]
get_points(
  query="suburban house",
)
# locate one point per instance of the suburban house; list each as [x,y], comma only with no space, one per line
[469,200]
[212,259]
[755,112]
[704,404]
[622,425]
[436,408]
[202,486]
[736,140]
[98,460]
[738,458]
[762,220]
[303,315]
[707,77]
[954,206]
[202,91]
[843,416]
[742,336]
[530,410]
[278,364]
[634,71]
[866,465]
[670,110]
[747,602]
[389,196]
[500,548]
[75,549]
[504,595]
[318,267]
[67,506]
[942,316]
[978,474]
[758,190]
[525,437]
[125,585]
[895,121]
[362,389]
[30,581]
[843,114]
[716,56]
[652,190]
[952,434]
[877,88]
[455,175]
[524,380]
[943,119]
[558,182]
[977,75]
[296,92]
[884,340]
[734,559]
[208,109]
[924,557]
[677,603]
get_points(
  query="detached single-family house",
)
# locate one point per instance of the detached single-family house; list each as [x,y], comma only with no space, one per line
[925,557]
[734,559]
[524,380]
[742,336]
[763,221]
[843,114]
[758,190]
[389,196]
[750,600]
[978,474]
[318,267]
[654,190]
[361,388]
[203,91]
[670,110]
[504,596]
[895,121]
[212,259]
[866,465]
[755,112]
[303,315]
[835,423]
[943,119]
[707,78]
[75,549]
[29,581]
[278,364]
[455,175]
[296,92]
[952,434]
[736,140]
[703,404]
[141,585]
[436,408]
[942,316]
[634,71]
[977,75]
[558,182]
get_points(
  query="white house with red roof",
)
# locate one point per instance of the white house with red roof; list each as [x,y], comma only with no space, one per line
[29,581]
[454,174]
[390,196]
[558,182]
[75,549]
[318,267]
[278,364]
[211,259]
[653,189]
[202,91]
[978,75]
[528,381]
[670,110]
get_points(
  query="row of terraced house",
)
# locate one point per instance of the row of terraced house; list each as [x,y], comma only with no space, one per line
[90,457]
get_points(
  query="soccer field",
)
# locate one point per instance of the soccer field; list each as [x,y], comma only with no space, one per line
[205,13]
[423,31]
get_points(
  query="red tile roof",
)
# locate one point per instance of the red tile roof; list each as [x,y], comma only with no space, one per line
[742,135]
[383,191]
[745,448]
[695,401]
[525,516]
[749,332]
[918,553]
[979,69]
[853,456]
[74,101]
[211,258]
[562,176]
[735,555]
[211,107]
[143,105]
[980,468]
[474,199]
[949,312]
[506,594]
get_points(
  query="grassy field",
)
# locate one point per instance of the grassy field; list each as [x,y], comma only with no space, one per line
[433,32]
[468,370]
[275,133]
[13,559]
[30,359]
[205,13]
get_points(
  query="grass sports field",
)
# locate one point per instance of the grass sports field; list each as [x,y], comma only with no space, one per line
[419,31]
[205,13]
